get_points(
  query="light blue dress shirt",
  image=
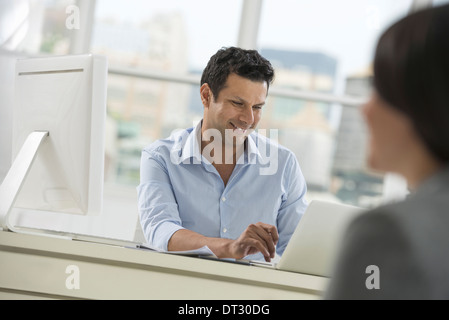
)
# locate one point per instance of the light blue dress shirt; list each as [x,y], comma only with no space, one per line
[179,188]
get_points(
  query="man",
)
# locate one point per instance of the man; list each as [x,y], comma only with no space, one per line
[213,184]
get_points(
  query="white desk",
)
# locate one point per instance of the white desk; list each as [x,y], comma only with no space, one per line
[33,266]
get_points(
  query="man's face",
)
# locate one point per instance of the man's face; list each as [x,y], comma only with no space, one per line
[237,109]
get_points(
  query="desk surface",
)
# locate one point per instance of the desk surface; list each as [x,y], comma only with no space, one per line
[34,266]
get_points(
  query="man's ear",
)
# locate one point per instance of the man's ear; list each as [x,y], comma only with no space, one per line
[206,95]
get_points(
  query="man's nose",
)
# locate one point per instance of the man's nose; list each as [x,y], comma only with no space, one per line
[247,117]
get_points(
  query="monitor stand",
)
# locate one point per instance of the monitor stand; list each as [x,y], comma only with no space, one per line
[16,176]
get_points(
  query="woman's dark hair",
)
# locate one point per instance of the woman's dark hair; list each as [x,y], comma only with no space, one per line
[411,73]
[245,63]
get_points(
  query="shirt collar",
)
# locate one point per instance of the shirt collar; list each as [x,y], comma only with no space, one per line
[191,146]
[252,147]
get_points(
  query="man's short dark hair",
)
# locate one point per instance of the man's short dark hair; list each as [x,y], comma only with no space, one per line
[245,63]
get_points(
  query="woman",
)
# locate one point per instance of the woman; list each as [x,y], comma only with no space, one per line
[401,251]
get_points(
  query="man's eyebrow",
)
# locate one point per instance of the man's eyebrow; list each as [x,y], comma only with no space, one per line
[238,98]
[244,101]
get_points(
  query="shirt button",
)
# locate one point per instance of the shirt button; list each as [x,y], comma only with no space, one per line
[225,230]
[223,199]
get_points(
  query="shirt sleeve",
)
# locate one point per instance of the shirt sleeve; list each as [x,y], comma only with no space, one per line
[293,203]
[158,209]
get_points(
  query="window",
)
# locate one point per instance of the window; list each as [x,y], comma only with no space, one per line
[326,47]
[322,47]
[140,111]
[333,39]
[170,35]
[35,27]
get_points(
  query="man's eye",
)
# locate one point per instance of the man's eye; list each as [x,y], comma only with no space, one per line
[237,103]
[257,107]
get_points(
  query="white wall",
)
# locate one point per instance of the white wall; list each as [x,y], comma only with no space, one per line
[7,66]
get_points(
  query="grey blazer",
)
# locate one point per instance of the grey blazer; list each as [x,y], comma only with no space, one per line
[398,251]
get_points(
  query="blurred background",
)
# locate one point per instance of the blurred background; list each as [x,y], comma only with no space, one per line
[322,52]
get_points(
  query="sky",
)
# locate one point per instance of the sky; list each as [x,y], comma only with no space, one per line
[344,29]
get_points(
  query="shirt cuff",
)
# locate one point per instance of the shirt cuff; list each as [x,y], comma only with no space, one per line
[163,234]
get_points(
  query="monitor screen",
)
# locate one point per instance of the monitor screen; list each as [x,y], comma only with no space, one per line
[66,97]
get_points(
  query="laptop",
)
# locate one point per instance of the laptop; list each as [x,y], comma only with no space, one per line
[313,246]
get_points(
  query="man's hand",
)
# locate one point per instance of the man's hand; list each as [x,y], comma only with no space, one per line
[259,237]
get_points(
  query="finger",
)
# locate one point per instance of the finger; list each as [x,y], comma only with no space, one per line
[266,238]
[260,247]
[272,230]
[274,235]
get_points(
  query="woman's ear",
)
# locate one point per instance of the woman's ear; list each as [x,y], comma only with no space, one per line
[206,95]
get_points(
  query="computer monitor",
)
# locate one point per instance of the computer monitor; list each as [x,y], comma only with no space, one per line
[58,137]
